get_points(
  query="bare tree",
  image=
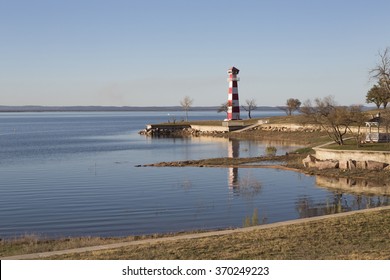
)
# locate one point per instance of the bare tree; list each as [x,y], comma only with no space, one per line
[358,119]
[335,120]
[292,104]
[223,108]
[186,104]
[381,72]
[385,121]
[250,106]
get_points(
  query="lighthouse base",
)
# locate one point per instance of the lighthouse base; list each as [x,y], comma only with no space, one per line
[233,124]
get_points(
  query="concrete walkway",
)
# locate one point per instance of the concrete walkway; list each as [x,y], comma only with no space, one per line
[248,127]
[186,236]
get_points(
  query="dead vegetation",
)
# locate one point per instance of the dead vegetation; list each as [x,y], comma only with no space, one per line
[359,236]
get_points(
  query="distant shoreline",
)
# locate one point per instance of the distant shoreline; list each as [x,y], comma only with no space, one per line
[17,109]
[39,109]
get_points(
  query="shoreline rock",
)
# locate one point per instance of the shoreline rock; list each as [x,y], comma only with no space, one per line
[179,132]
[312,162]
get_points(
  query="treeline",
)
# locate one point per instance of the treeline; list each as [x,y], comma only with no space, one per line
[112,108]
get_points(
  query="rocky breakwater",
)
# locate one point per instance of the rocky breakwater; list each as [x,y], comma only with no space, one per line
[287,127]
[166,130]
[182,130]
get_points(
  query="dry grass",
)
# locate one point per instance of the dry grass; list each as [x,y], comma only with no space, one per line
[298,137]
[218,162]
[288,119]
[351,145]
[29,244]
[359,236]
[206,122]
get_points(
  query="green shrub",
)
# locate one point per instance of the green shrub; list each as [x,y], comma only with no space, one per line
[270,150]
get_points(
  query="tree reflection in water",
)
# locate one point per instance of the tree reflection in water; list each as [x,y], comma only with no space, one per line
[307,208]
[348,194]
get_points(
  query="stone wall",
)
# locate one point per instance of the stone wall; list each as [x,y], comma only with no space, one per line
[210,128]
[343,159]
[344,155]
[287,127]
[182,130]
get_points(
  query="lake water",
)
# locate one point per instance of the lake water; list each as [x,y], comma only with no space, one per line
[74,174]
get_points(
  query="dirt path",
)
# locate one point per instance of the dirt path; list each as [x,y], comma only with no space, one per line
[186,236]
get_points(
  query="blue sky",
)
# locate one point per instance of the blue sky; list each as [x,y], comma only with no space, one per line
[141,53]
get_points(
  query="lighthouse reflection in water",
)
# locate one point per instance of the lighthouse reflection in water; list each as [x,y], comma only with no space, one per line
[248,186]
[233,152]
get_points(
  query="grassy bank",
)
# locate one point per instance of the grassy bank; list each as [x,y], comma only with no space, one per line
[362,236]
[356,236]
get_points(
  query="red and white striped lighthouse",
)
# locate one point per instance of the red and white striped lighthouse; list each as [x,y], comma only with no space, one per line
[233,112]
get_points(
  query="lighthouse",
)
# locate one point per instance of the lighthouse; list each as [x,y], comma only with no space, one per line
[233,112]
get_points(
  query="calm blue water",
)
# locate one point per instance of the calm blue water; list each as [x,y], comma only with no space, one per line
[74,174]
